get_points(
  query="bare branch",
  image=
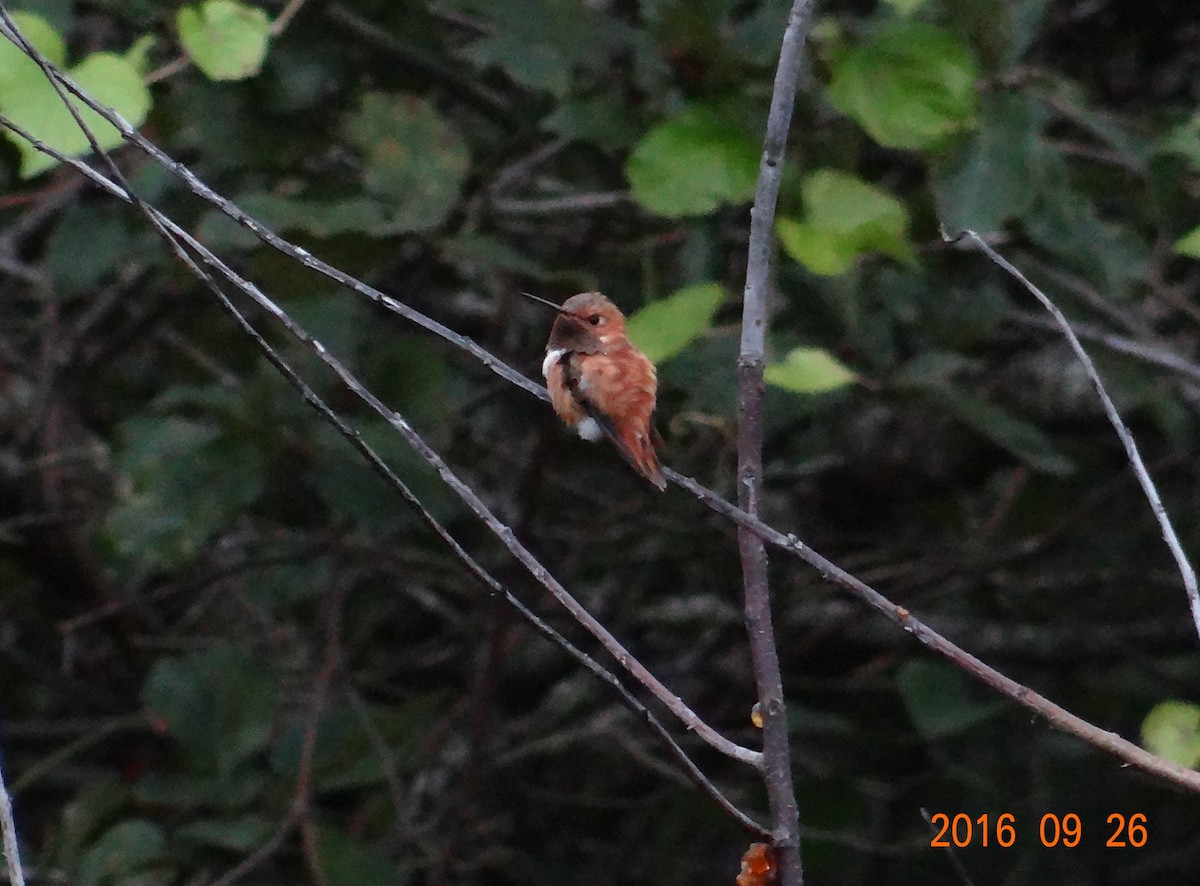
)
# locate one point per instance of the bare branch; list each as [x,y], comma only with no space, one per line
[1186,572]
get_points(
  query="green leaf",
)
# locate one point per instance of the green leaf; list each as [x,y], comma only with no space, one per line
[987,181]
[692,164]
[536,65]
[1172,731]
[414,159]
[911,86]
[189,791]
[124,849]
[664,328]
[219,704]
[939,699]
[15,66]
[1183,140]
[30,101]
[239,834]
[227,40]
[90,241]
[1110,251]
[808,371]
[845,218]
[1006,430]
[98,802]
[1189,244]
[930,368]
[542,44]
[180,482]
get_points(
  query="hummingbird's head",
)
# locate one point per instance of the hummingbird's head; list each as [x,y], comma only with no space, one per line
[586,318]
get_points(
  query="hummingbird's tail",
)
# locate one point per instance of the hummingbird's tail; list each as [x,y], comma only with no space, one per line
[634,444]
[639,449]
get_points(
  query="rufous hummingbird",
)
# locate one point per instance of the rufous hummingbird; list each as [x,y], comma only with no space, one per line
[599,383]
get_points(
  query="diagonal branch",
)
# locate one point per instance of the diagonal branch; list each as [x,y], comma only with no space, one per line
[777,763]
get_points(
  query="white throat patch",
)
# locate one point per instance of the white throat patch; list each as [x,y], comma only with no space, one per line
[552,357]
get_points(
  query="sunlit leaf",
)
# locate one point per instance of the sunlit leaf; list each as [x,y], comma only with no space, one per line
[845,218]
[808,371]
[664,328]
[30,101]
[1172,731]
[694,163]
[226,39]
[16,68]
[1183,140]
[910,86]
[1189,244]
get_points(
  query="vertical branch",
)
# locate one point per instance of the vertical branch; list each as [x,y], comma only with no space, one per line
[777,770]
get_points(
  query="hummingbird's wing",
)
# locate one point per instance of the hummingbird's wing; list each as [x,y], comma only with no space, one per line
[571,377]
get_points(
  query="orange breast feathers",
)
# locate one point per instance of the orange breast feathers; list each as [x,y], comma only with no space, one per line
[622,383]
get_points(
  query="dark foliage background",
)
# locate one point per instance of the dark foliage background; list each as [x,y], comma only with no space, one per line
[195,570]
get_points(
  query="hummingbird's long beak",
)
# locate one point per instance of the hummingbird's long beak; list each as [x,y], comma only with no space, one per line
[549,304]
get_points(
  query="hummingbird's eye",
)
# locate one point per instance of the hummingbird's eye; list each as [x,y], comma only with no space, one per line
[594,319]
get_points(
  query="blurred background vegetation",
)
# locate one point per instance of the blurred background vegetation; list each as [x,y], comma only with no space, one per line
[195,570]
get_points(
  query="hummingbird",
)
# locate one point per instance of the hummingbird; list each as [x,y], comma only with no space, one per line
[599,383]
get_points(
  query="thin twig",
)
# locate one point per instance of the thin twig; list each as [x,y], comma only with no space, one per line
[777,762]
[1156,356]
[568,203]
[1186,572]
[955,862]
[285,17]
